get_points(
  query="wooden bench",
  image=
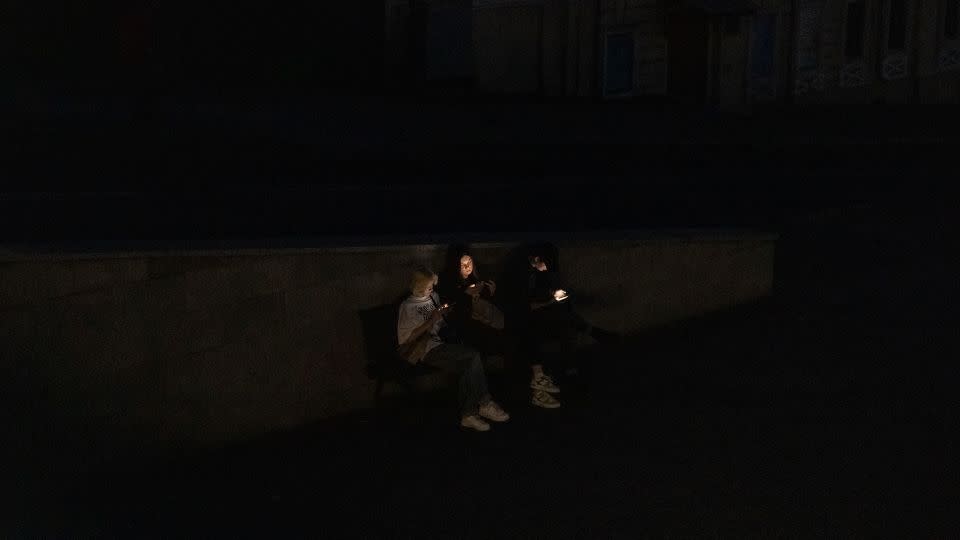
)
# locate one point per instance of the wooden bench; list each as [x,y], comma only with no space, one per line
[384,365]
[379,327]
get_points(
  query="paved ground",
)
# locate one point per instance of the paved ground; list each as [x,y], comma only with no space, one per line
[828,411]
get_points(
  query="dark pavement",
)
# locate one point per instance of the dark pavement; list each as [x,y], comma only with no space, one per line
[829,410]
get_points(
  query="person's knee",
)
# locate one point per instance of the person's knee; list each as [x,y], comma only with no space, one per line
[475,361]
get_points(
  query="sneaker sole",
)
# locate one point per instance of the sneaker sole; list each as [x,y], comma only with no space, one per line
[547,390]
[474,428]
[542,405]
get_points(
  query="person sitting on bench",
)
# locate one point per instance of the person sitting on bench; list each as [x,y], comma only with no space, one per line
[418,334]
[552,323]
[481,323]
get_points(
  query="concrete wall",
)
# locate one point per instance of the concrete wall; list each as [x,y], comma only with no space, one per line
[153,353]
[549,47]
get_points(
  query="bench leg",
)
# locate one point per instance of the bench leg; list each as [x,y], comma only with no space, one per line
[378,393]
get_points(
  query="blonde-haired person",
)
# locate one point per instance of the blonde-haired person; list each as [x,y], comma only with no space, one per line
[418,325]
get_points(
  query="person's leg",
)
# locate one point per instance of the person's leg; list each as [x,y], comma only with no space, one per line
[570,333]
[482,338]
[575,321]
[476,403]
[540,378]
[540,357]
[468,365]
[499,347]
[473,382]
[536,369]
[576,324]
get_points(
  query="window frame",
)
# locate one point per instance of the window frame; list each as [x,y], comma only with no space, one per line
[944,18]
[847,58]
[613,32]
[816,38]
[777,18]
[888,27]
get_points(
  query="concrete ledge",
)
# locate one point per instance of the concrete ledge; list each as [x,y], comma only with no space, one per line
[337,244]
[162,351]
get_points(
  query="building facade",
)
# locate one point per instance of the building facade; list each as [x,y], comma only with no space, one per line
[719,52]
[867,51]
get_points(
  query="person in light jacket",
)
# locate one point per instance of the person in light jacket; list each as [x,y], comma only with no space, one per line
[419,323]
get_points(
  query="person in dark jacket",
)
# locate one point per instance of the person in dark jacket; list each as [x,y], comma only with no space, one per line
[553,327]
[479,322]
[475,312]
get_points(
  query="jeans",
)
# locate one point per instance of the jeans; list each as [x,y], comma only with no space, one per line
[468,364]
[488,340]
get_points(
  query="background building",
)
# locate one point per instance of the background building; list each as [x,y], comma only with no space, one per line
[862,51]
[722,52]
[144,46]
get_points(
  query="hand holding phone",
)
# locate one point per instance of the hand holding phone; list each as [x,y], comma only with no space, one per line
[440,311]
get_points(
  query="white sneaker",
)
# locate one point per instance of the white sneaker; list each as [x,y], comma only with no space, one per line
[474,422]
[544,400]
[545,383]
[492,411]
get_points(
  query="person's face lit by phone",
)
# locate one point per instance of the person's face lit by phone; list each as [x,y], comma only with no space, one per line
[466,266]
[538,263]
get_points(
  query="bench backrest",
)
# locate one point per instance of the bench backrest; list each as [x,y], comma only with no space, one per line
[379,328]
